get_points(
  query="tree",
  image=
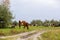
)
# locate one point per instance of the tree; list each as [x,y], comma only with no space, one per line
[39,22]
[54,23]
[33,22]
[15,23]
[36,22]
[46,23]
[5,16]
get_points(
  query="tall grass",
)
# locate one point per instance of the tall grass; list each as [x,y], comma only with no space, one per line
[51,35]
[17,30]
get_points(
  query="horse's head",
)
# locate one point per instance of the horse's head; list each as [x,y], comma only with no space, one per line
[23,22]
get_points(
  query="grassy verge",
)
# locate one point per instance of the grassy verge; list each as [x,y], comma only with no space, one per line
[17,30]
[51,35]
[10,38]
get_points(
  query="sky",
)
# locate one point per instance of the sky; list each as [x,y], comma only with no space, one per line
[29,10]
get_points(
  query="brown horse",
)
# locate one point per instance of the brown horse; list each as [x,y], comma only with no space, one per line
[24,23]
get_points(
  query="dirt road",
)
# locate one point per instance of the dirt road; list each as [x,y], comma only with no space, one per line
[33,35]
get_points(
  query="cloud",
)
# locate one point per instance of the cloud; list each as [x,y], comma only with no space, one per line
[40,3]
[50,3]
[44,9]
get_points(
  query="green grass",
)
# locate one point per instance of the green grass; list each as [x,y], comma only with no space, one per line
[11,38]
[17,30]
[51,35]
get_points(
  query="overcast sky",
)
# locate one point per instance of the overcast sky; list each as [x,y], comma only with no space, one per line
[35,9]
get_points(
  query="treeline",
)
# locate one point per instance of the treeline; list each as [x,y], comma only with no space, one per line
[46,23]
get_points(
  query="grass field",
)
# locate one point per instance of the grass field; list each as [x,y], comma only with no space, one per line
[51,35]
[17,30]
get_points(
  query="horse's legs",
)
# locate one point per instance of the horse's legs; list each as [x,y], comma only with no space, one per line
[27,27]
[19,25]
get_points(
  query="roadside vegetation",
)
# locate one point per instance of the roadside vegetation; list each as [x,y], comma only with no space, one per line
[17,30]
[53,32]
[51,35]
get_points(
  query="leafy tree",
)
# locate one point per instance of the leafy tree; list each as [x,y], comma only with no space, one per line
[36,22]
[33,22]
[5,16]
[39,22]
[46,23]
[15,23]
[54,23]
